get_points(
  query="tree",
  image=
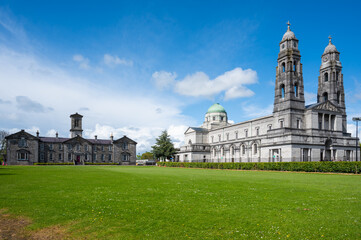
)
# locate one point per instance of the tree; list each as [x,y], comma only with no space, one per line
[3,134]
[147,155]
[163,148]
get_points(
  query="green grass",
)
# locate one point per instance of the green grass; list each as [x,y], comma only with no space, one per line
[115,202]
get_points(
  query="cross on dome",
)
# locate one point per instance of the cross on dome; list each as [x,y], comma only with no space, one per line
[329,37]
[289,24]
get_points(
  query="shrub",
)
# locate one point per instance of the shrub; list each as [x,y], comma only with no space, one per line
[338,167]
[53,164]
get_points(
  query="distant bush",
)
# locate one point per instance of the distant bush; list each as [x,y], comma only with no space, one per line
[53,163]
[90,163]
[337,167]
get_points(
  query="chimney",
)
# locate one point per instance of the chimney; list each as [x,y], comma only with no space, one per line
[56,134]
[111,137]
[37,133]
[95,137]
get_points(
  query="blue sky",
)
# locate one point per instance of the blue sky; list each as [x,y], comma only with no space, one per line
[133,67]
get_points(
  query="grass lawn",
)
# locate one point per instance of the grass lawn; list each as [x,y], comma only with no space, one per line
[115,202]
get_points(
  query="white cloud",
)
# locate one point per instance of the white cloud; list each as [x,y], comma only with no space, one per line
[310,98]
[252,111]
[232,82]
[176,133]
[45,85]
[83,62]
[144,136]
[238,92]
[351,128]
[112,61]
[51,133]
[230,121]
[164,79]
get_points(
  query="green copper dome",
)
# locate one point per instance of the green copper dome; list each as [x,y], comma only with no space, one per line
[216,108]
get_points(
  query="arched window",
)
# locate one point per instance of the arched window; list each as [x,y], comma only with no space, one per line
[232,150]
[283,67]
[296,90]
[295,66]
[214,152]
[337,73]
[222,151]
[338,97]
[255,150]
[325,96]
[190,142]
[243,150]
[325,77]
[283,90]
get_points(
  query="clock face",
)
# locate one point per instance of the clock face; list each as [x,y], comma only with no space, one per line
[325,58]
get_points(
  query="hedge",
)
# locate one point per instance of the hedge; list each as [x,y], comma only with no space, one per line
[337,167]
[53,163]
[70,163]
[90,163]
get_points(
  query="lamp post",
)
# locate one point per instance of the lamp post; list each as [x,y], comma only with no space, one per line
[356,119]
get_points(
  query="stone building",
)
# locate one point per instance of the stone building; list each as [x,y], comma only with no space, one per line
[26,149]
[293,132]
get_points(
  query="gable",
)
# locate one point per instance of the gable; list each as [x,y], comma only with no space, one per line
[21,134]
[125,139]
[326,106]
[76,140]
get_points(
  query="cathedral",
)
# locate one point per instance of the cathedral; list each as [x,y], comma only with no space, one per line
[26,149]
[294,132]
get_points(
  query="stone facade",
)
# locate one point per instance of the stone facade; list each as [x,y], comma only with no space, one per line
[26,149]
[293,132]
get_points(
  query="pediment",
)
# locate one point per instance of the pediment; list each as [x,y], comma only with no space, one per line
[327,106]
[77,140]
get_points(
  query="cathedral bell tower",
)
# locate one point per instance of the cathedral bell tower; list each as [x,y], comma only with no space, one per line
[76,125]
[289,102]
[330,80]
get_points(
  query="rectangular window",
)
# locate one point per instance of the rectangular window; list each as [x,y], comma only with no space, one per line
[69,156]
[60,146]
[50,156]
[110,148]
[70,147]
[95,148]
[78,147]
[125,145]
[22,156]
[298,124]
[257,131]
[109,157]
[42,156]
[51,146]
[246,133]
[227,136]
[102,148]
[41,146]
[102,157]
[281,123]
[86,157]
[60,157]
[236,133]
[94,157]
[86,147]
